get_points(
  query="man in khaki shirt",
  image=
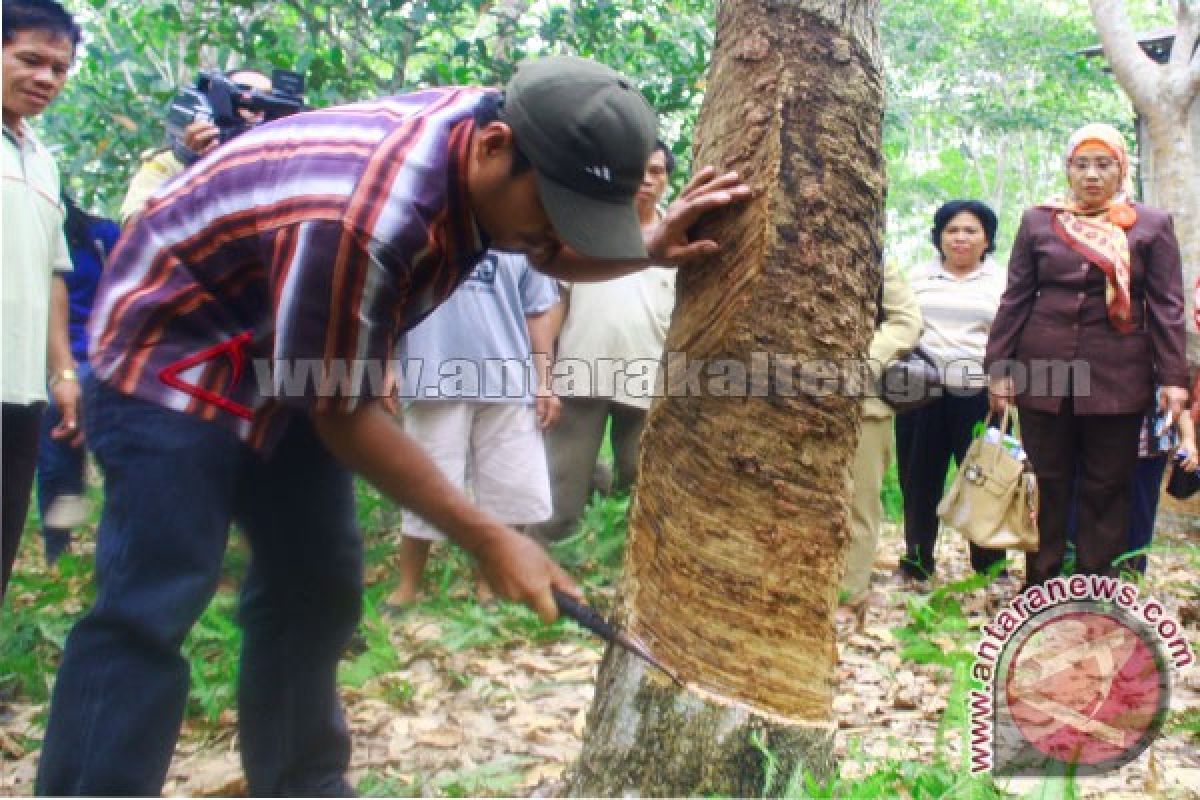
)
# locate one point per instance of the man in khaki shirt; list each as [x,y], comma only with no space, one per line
[35,350]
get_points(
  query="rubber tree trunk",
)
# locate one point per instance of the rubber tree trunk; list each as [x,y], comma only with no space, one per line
[739,520]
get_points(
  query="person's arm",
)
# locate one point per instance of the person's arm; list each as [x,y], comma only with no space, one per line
[666,240]
[901,327]
[371,443]
[543,331]
[60,364]
[1187,442]
[1015,307]
[1165,316]
[316,324]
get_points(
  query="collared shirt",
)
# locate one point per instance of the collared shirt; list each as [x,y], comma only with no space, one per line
[317,239]
[34,249]
[958,314]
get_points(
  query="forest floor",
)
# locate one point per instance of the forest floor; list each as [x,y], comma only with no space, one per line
[471,703]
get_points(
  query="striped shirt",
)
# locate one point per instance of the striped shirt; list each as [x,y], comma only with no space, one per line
[313,241]
[958,314]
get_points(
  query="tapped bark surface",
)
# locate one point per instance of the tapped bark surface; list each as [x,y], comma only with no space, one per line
[738,524]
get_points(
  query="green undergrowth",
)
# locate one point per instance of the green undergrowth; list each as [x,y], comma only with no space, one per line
[44,603]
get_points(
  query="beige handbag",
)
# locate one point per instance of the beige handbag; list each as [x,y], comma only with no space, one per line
[994,499]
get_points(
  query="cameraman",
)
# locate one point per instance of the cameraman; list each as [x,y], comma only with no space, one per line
[161,164]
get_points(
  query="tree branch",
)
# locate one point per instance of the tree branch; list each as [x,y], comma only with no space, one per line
[1185,34]
[1135,71]
[1184,54]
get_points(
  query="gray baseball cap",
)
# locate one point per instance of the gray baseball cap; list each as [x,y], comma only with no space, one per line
[588,132]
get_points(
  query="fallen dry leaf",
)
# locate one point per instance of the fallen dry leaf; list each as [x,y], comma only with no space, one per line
[10,746]
[540,774]
[446,737]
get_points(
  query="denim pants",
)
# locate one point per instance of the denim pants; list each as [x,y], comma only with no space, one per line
[1144,495]
[59,472]
[173,485]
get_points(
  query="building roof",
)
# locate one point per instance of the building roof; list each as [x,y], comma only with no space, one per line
[1157,44]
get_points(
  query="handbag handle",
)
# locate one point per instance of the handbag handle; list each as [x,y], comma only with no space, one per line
[1008,422]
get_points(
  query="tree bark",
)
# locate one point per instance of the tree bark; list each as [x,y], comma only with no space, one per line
[738,525]
[1166,96]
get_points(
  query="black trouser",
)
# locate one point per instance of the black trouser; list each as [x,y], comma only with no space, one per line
[925,441]
[19,429]
[1101,450]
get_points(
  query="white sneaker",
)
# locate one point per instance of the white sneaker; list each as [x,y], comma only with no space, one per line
[66,511]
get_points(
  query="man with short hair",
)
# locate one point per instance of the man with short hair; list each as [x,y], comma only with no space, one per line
[239,343]
[622,322]
[39,43]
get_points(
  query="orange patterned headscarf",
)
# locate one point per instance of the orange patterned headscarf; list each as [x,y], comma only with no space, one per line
[1099,234]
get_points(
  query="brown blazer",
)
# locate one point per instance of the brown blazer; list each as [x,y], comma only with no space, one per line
[1053,310]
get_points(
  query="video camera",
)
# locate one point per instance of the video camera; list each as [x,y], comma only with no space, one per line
[217,99]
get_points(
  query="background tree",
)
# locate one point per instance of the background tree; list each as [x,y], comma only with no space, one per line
[137,53]
[980,96]
[1165,95]
[736,531]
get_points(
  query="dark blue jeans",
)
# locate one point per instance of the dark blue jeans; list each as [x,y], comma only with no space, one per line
[59,472]
[1143,501]
[173,484]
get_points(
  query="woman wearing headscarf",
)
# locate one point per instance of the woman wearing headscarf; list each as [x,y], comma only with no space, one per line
[958,293]
[1092,320]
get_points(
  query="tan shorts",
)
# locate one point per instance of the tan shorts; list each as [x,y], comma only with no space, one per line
[494,448]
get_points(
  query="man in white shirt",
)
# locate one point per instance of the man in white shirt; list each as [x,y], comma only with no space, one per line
[607,368]
[35,350]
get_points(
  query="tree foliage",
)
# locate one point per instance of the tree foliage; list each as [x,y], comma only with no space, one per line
[136,53]
[980,96]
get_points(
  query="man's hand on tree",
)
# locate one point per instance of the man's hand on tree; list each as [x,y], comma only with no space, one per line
[667,240]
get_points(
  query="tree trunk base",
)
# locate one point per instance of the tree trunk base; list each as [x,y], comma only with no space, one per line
[649,738]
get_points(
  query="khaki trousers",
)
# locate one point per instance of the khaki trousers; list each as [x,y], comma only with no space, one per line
[571,450]
[870,463]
